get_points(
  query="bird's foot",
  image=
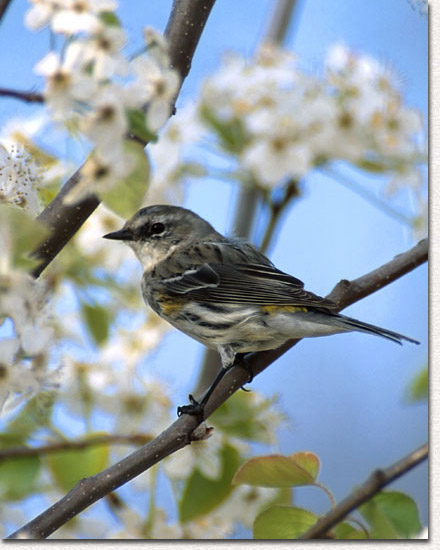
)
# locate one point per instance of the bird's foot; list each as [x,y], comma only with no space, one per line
[195,408]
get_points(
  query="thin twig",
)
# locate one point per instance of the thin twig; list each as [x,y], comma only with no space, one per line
[178,435]
[377,480]
[280,22]
[29,97]
[277,210]
[110,439]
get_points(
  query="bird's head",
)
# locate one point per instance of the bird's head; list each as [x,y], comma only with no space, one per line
[156,231]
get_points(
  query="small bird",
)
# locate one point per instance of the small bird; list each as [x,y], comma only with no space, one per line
[224,292]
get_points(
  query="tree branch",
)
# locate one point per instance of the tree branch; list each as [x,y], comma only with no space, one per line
[185,26]
[377,480]
[179,434]
[110,439]
[4,4]
[29,97]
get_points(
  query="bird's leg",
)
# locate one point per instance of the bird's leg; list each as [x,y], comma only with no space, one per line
[242,360]
[229,359]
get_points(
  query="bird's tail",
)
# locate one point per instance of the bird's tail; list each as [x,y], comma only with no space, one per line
[353,324]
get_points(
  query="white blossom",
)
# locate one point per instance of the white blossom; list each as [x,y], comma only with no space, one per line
[201,455]
[81,16]
[129,346]
[286,121]
[65,85]
[25,301]
[100,174]
[92,245]
[19,178]
[106,123]
[102,51]
[41,13]
[158,84]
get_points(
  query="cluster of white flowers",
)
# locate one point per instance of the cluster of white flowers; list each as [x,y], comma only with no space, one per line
[92,87]
[289,122]
[25,345]
[267,121]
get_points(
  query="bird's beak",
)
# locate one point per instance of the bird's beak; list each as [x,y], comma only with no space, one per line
[121,235]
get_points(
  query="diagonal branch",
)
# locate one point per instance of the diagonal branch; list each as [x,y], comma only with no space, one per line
[377,480]
[179,434]
[185,26]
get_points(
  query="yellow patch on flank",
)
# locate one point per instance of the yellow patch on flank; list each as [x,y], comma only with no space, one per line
[169,306]
[283,309]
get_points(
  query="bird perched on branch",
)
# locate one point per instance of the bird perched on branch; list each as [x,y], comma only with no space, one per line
[224,292]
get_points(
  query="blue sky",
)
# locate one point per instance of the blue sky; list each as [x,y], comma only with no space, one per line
[344,395]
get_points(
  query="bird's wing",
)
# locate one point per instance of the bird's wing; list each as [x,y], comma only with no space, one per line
[253,284]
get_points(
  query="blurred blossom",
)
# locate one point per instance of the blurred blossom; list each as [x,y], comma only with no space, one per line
[421,222]
[65,84]
[163,529]
[19,178]
[20,377]
[130,346]
[159,85]
[41,13]
[77,16]
[245,503]
[280,122]
[211,526]
[201,455]
[9,375]
[99,174]
[85,91]
[133,525]
[25,301]
[90,242]
[134,403]
[102,51]
[106,123]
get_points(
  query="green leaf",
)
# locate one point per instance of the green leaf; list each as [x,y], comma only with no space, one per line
[35,414]
[418,389]
[110,19]
[137,126]
[345,531]
[232,133]
[68,467]
[392,515]
[18,476]
[283,522]
[127,196]
[97,319]
[25,233]
[279,471]
[201,494]
[241,417]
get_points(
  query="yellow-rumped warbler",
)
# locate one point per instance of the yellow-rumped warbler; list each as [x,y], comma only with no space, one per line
[224,292]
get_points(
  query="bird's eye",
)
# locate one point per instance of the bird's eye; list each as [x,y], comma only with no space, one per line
[157,228]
